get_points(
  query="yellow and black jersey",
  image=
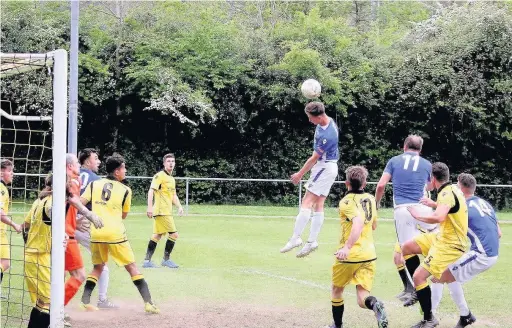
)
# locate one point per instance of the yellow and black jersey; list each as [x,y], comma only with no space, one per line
[164,187]
[453,231]
[109,199]
[39,238]
[362,205]
[4,203]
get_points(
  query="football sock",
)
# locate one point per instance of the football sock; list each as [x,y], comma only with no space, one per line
[143,287]
[151,249]
[169,246]
[316,224]
[412,264]
[437,295]
[337,311]
[39,318]
[369,302]
[403,275]
[458,297]
[71,288]
[425,298]
[88,288]
[103,283]
[301,221]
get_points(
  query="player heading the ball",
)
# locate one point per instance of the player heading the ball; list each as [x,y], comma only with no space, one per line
[323,165]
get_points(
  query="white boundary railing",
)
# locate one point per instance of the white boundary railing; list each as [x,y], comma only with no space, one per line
[188,179]
[300,185]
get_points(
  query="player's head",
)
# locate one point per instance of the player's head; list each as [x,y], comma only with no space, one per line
[315,110]
[440,174]
[169,162]
[48,184]
[7,169]
[89,159]
[116,167]
[467,184]
[413,143]
[356,177]
[72,166]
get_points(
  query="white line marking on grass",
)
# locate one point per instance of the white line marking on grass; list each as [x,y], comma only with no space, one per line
[306,283]
[328,288]
[298,281]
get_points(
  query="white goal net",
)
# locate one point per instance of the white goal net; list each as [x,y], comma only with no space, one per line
[33,130]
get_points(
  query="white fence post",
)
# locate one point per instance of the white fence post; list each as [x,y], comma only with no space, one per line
[186,193]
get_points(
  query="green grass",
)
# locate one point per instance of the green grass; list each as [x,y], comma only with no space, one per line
[230,255]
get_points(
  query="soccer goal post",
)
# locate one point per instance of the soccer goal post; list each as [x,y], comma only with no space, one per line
[55,66]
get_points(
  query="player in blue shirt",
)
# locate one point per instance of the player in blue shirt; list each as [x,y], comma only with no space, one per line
[323,164]
[410,174]
[90,163]
[484,234]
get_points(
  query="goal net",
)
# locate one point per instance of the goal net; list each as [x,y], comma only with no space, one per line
[33,129]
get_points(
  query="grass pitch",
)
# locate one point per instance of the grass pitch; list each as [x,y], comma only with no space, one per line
[232,275]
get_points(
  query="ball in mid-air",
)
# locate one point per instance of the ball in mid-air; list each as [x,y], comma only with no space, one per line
[311,89]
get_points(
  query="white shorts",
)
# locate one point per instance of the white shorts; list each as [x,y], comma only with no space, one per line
[407,227]
[84,239]
[471,264]
[322,178]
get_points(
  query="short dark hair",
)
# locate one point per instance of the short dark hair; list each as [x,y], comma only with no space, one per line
[356,176]
[114,162]
[169,155]
[441,172]
[414,142]
[467,181]
[84,154]
[315,108]
[48,181]
[5,163]
[48,185]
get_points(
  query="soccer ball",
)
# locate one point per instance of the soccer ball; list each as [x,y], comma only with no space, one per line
[311,89]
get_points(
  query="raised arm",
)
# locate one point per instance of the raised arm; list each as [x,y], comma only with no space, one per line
[79,203]
[438,216]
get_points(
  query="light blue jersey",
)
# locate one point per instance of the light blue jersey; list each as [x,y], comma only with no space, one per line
[326,142]
[482,227]
[409,173]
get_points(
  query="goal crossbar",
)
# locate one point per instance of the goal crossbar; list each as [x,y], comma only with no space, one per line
[12,64]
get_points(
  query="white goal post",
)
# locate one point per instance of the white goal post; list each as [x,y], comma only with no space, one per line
[11,64]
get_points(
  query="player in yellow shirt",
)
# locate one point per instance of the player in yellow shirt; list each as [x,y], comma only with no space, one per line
[163,191]
[111,200]
[7,171]
[441,249]
[356,256]
[38,246]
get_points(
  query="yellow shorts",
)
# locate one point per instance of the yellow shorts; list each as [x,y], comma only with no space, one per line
[5,249]
[122,253]
[438,256]
[353,273]
[37,276]
[163,224]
